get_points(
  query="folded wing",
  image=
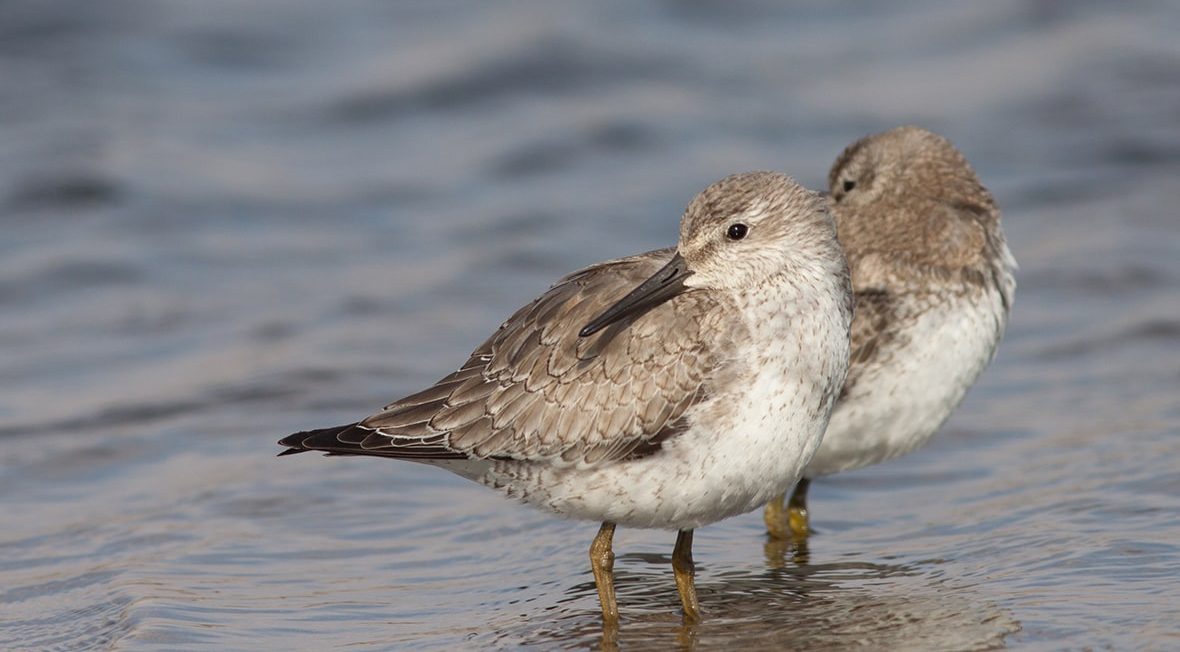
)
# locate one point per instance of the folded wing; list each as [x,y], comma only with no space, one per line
[536,391]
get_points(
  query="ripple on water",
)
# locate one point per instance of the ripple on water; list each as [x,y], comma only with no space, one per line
[787,606]
[189,271]
[49,608]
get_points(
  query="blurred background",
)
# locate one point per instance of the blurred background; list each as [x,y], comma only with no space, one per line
[223,222]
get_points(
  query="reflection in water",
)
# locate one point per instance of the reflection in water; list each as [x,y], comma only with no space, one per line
[223,223]
[779,552]
[789,605]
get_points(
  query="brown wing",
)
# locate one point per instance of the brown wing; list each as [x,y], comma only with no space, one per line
[536,391]
[873,335]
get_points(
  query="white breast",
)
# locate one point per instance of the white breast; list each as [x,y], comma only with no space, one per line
[748,442]
[896,406]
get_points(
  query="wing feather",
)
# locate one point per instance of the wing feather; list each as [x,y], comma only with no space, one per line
[874,334]
[536,391]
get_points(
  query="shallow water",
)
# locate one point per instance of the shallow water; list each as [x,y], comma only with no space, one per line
[226,222]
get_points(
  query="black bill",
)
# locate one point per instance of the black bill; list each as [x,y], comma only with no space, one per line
[663,285]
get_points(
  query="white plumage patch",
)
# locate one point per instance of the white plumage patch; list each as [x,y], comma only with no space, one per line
[896,406]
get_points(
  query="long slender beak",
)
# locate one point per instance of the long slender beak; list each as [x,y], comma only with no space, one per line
[662,286]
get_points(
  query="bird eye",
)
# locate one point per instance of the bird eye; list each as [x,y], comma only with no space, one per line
[849,184]
[737,231]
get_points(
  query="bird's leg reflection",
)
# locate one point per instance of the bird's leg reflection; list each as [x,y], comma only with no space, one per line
[684,569]
[686,636]
[778,550]
[602,564]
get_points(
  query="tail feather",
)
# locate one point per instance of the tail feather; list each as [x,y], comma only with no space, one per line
[324,439]
[347,440]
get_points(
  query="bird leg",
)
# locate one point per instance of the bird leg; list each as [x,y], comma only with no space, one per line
[797,509]
[684,569]
[775,518]
[785,522]
[602,563]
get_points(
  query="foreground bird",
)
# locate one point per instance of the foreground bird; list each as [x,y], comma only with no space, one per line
[933,281]
[665,390]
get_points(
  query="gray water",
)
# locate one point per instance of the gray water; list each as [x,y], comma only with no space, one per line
[225,221]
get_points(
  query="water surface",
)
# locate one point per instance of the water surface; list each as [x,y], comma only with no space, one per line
[227,222]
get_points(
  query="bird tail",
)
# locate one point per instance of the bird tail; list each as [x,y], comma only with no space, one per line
[330,440]
[355,439]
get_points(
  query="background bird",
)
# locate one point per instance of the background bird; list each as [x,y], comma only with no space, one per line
[933,280]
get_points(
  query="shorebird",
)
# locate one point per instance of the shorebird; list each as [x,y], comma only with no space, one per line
[933,281]
[666,390]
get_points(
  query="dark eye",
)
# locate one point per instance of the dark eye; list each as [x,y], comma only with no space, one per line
[737,231]
[849,184]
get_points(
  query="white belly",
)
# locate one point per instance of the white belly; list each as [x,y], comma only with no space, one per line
[897,406]
[749,441]
[701,476]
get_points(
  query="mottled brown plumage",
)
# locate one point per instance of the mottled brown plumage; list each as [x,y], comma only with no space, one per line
[536,391]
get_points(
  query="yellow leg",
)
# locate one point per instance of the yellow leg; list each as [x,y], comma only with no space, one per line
[797,510]
[602,563]
[684,569]
[775,517]
[790,521]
